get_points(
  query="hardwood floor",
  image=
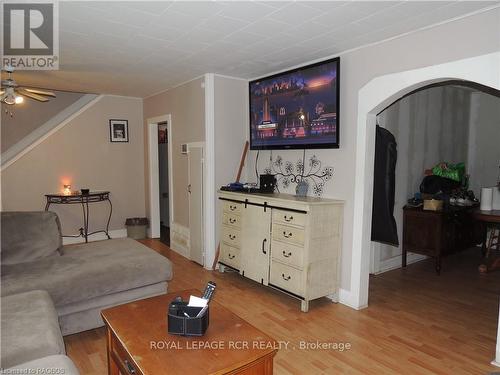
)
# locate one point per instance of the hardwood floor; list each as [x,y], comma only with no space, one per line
[417,322]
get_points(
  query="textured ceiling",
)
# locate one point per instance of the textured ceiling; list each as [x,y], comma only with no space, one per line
[140,48]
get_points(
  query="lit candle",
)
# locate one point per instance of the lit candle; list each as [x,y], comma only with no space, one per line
[67,190]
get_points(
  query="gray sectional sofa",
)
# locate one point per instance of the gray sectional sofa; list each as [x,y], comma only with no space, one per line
[64,286]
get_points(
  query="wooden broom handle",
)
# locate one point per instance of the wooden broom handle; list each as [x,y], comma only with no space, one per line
[242,161]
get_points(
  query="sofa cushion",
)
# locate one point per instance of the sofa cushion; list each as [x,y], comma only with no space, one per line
[27,236]
[53,364]
[30,328]
[86,271]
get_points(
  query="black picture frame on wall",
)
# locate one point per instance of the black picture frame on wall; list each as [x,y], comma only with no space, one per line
[118,131]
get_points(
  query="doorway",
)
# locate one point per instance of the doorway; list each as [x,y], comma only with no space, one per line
[163,172]
[160,158]
[372,98]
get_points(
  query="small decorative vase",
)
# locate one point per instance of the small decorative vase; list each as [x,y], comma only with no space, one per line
[301,189]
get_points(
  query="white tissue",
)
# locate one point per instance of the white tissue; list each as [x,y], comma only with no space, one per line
[197,302]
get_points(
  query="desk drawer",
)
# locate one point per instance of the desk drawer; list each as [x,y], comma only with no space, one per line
[122,359]
[231,219]
[287,278]
[288,234]
[289,217]
[287,253]
[231,236]
[230,255]
[232,207]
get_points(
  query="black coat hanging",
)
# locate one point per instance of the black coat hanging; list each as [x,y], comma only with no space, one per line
[384,228]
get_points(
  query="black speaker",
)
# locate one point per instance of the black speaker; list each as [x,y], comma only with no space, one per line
[267,183]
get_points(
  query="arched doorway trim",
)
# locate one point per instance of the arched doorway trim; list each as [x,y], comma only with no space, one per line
[372,98]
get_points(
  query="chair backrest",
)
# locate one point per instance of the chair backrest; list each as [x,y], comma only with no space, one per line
[27,236]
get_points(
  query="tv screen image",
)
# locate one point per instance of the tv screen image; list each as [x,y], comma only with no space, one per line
[296,109]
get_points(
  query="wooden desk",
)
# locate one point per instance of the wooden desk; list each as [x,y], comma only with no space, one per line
[138,342]
[487,216]
[488,219]
[437,233]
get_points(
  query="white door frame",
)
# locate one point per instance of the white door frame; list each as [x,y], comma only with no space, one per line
[373,97]
[154,175]
[203,221]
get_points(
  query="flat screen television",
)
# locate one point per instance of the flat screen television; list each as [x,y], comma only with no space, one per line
[297,109]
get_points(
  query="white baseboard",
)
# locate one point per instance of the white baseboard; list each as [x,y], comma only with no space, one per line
[395,262]
[347,298]
[179,239]
[117,233]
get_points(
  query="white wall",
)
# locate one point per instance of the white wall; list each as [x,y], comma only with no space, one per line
[186,104]
[444,43]
[484,143]
[30,114]
[231,132]
[81,154]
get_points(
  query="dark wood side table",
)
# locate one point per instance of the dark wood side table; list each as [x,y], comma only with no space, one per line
[437,233]
[84,200]
[138,342]
[488,220]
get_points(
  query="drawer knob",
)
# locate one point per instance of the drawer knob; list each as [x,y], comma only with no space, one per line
[287,235]
[287,255]
[286,278]
[232,237]
[129,367]
[288,218]
[231,256]
[232,221]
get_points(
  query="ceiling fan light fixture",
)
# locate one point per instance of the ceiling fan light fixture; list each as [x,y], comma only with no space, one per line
[9,99]
[19,99]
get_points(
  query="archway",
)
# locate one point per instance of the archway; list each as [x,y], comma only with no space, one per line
[373,98]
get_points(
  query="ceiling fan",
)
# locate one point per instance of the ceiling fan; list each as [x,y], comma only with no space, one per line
[11,93]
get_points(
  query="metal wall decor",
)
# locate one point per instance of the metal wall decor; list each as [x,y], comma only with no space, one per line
[287,173]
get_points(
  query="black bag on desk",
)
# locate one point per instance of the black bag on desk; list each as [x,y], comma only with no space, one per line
[435,184]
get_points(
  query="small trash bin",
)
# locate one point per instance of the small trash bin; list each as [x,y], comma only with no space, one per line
[136,227]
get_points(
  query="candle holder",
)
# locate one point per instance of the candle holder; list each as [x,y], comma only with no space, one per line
[67,189]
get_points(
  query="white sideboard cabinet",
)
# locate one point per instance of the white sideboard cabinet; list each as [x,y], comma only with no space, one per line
[286,242]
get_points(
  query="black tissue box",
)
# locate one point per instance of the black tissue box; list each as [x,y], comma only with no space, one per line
[179,324]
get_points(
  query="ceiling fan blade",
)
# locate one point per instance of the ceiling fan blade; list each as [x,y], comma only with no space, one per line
[30,95]
[2,92]
[40,92]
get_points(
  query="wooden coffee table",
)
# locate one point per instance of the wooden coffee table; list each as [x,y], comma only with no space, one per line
[139,344]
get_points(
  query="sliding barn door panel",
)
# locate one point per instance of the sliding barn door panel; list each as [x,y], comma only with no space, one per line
[256,243]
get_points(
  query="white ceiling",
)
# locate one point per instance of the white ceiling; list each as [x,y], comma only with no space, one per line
[143,47]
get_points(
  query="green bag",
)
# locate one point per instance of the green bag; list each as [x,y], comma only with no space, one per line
[455,172]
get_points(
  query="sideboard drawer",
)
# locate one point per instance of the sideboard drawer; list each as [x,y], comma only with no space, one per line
[232,207]
[289,217]
[287,278]
[288,234]
[231,219]
[230,256]
[287,253]
[231,236]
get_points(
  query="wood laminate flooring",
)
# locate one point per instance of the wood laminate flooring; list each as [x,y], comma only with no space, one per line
[417,322]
